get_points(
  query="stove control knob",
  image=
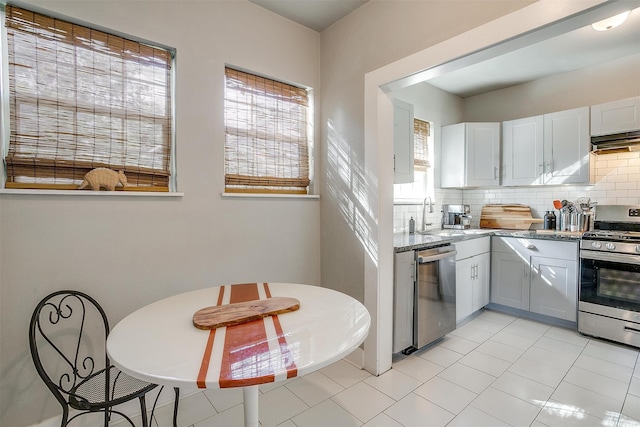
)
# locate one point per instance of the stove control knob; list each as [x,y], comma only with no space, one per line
[597,245]
[611,246]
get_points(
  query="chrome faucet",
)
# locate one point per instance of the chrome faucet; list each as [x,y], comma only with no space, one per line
[424,208]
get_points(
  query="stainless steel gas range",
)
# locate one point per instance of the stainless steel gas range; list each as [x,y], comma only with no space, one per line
[609,302]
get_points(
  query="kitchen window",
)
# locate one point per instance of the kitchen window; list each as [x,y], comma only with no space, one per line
[82,98]
[422,184]
[266,135]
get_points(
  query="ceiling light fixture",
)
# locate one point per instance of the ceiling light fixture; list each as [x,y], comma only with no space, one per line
[610,23]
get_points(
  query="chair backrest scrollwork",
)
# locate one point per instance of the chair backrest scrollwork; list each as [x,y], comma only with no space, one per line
[67,337]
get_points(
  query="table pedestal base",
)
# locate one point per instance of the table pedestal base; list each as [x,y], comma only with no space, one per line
[250,397]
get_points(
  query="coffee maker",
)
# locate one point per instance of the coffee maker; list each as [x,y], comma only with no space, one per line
[456,216]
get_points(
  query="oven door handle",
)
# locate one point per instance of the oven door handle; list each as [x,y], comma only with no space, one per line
[606,256]
[632,330]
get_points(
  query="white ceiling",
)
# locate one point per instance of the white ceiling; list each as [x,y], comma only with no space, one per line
[567,52]
[315,14]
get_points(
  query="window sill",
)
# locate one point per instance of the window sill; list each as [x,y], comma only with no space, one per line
[89,193]
[269,196]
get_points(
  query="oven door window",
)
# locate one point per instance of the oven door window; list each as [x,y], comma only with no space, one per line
[613,284]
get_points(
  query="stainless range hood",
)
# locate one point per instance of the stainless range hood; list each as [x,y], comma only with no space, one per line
[616,143]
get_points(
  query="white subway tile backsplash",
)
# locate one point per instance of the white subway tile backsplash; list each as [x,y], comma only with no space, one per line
[617,163]
[616,180]
[630,155]
[627,200]
[618,194]
[606,171]
[608,201]
[628,170]
[606,186]
[629,185]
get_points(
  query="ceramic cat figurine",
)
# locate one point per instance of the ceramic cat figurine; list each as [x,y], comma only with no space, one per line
[103,177]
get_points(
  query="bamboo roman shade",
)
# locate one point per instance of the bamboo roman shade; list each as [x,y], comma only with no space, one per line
[82,98]
[421,131]
[266,142]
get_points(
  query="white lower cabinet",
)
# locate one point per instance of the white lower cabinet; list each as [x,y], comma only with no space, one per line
[536,275]
[472,276]
[554,287]
[509,279]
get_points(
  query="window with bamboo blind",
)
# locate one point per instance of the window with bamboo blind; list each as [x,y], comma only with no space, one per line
[266,135]
[420,144]
[423,178]
[80,98]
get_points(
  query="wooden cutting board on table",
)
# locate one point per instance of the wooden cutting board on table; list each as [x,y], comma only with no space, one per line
[511,217]
[217,316]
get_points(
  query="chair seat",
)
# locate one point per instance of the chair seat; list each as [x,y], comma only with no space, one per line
[90,393]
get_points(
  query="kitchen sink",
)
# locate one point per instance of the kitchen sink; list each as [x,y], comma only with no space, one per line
[477,231]
[455,232]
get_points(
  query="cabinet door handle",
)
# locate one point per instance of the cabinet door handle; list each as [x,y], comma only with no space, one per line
[549,167]
[476,272]
[541,169]
[496,170]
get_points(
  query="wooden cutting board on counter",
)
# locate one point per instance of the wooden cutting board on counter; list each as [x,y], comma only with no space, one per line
[511,217]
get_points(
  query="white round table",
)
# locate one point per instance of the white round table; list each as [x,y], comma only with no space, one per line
[159,344]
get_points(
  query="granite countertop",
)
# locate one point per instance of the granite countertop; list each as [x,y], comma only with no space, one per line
[403,242]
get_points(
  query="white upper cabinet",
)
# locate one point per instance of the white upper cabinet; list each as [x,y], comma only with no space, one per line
[566,147]
[615,117]
[402,142]
[470,155]
[547,149]
[522,151]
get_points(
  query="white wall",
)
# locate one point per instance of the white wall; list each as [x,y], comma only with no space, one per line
[376,34]
[129,251]
[591,85]
[357,207]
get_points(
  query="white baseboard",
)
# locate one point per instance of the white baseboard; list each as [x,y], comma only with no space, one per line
[131,409]
[356,358]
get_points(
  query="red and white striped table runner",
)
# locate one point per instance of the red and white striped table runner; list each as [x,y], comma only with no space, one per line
[246,354]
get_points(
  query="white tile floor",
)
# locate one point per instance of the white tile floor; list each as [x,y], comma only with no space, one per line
[496,370]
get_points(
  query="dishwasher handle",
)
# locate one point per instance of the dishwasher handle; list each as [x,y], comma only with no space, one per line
[424,259]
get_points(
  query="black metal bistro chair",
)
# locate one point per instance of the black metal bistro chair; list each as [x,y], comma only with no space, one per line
[67,336]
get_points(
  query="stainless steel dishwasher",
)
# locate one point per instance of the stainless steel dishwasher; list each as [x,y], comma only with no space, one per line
[434,302]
